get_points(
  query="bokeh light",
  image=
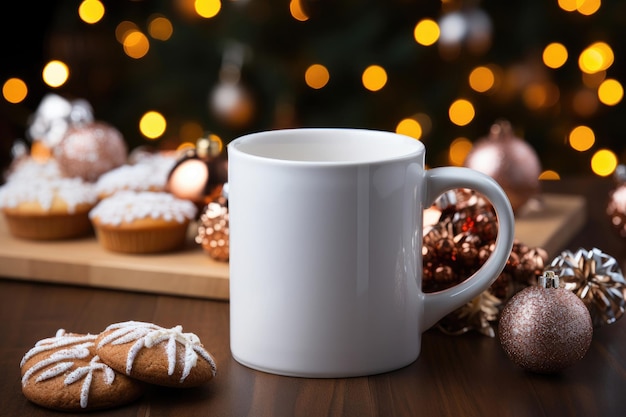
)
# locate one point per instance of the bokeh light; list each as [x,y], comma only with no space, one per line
[555,55]
[481,79]
[459,148]
[581,138]
[584,7]
[14,90]
[152,125]
[208,8]
[610,92]
[588,7]
[540,95]
[297,12]
[55,73]
[123,29]
[453,28]
[461,112]
[374,77]
[316,76]
[186,145]
[160,28]
[424,121]
[585,102]
[190,131]
[596,57]
[603,162]
[426,32]
[215,138]
[593,80]
[409,127]
[568,5]
[549,175]
[91,11]
[136,44]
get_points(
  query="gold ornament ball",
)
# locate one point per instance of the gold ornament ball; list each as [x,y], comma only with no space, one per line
[508,159]
[545,330]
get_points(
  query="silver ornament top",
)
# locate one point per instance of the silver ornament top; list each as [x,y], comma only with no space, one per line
[549,280]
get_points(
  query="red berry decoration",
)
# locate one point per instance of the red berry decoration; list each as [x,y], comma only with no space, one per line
[544,328]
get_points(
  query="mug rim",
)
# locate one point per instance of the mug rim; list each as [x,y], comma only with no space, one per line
[234,147]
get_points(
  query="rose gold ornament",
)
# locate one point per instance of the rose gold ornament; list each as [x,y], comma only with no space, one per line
[198,172]
[511,161]
[230,100]
[88,150]
[616,207]
[545,328]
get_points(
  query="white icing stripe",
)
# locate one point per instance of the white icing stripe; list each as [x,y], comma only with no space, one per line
[55,343]
[132,354]
[62,360]
[147,335]
[127,206]
[74,352]
[56,370]
[84,390]
[86,373]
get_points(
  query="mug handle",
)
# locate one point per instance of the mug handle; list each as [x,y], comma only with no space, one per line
[440,180]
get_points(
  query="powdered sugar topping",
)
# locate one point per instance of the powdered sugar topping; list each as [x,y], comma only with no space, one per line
[148,335]
[127,206]
[149,173]
[29,168]
[73,191]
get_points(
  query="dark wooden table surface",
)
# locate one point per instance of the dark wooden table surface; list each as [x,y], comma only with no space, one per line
[465,375]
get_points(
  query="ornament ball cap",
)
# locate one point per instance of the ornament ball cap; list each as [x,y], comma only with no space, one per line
[549,280]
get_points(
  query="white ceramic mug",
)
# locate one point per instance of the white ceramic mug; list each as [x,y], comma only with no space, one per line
[325,250]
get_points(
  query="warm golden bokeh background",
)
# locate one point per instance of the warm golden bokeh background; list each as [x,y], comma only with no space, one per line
[442,71]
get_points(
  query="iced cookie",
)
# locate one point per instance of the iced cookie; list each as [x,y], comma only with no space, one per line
[64,373]
[156,355]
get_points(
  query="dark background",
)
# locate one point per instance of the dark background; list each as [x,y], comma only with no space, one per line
[177,76]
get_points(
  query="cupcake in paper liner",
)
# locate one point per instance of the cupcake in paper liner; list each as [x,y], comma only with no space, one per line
[142,222]
[47,208]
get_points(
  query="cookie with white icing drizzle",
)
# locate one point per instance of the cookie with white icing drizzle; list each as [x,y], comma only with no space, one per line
[64,373]
[155,354]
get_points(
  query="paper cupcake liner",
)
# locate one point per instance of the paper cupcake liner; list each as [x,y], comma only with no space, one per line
[153,240]
[48,226]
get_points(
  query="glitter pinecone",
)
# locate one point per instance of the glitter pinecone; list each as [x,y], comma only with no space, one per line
[213,231]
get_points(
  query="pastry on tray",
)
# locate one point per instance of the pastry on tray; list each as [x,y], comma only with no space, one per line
[47,208]
[142,222]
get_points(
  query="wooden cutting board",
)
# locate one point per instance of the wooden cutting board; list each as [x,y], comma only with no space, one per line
[83,261]
[191,272]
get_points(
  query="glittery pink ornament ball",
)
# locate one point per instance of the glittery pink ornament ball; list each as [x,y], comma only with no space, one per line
[89,150]
[545,330]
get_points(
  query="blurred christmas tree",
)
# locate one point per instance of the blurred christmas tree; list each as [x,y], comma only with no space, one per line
[251,65]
